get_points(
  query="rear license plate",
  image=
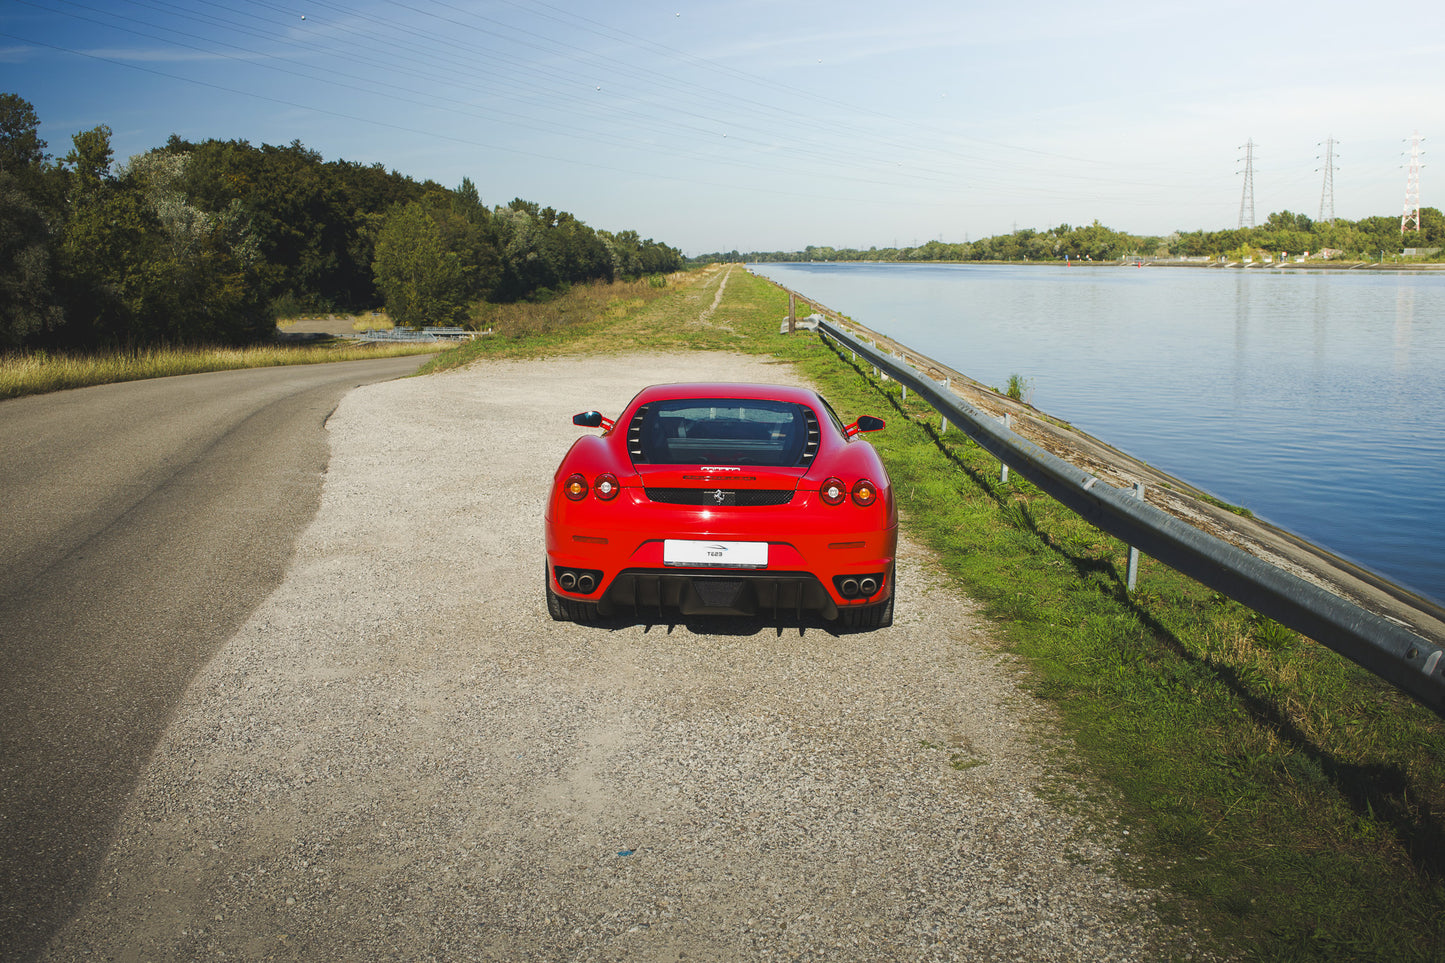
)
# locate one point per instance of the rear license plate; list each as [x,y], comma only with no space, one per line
[680,552]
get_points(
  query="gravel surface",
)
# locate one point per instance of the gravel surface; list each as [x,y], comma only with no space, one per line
[402,757]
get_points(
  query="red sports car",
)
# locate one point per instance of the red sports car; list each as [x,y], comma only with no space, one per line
[722,499]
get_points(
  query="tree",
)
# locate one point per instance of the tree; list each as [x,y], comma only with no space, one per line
[88,162]
[205,241]
[422,277]
[211,259]
[625,248]
[21,148]
[315,222]
[143,265]
[28,205]
[530,260]
[1432,227]
[27,301]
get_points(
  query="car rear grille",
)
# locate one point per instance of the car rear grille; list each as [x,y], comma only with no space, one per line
[748,497]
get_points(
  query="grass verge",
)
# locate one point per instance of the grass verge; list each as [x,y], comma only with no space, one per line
[38,372]
[1289,805]
[528,329]
[525,329]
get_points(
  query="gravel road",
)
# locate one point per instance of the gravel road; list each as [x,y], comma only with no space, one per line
[400,756]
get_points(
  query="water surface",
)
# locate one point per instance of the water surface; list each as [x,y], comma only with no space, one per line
[1314,399]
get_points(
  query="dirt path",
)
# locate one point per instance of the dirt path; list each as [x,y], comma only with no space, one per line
[401,757]
[722,285]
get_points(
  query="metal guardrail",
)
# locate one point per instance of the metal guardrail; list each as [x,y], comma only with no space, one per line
[1390,651]
[424,335]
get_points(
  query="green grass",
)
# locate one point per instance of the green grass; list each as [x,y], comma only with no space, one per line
[38,372]
[529,329]
[1291,806]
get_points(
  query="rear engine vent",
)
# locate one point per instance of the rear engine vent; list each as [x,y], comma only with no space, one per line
[811,447]
[634,433]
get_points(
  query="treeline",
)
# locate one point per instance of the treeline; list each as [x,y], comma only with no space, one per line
[1283,232]
[210,242]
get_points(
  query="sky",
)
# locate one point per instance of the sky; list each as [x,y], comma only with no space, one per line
[760,125]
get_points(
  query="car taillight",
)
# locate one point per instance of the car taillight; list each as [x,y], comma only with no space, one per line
[833,491]
[606,486]
[865,493]
[575,487]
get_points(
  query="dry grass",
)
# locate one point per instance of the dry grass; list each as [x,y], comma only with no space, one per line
[580,304]
[38,372]
[533,328]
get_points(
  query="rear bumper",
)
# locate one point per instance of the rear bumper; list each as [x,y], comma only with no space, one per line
[816,559]
[641,592]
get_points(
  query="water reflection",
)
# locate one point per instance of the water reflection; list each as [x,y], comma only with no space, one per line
[1404,326]
[1242,305]
[1321,319]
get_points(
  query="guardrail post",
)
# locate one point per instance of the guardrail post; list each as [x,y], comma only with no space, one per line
[1008,423]
[1134,552]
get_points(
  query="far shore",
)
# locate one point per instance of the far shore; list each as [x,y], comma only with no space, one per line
[1310,265]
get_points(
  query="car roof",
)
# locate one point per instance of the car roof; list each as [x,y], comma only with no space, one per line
[725,389]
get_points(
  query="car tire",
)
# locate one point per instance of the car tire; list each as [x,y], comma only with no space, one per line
[565,609]
[865,618]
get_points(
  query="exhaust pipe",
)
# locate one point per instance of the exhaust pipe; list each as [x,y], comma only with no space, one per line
[868,586]
[849,588]
[585,584]
[567,580]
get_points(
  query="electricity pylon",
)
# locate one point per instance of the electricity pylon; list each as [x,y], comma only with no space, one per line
[1246,199]
[1412,187]
[1327,192]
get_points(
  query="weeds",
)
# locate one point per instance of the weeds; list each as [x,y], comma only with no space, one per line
[37,372]
[532,328]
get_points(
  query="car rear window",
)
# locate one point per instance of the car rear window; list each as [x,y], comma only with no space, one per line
[717,431]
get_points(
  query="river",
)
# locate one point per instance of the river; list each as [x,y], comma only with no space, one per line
[1313,398]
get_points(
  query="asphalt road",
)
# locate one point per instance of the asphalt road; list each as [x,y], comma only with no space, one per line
[141,524]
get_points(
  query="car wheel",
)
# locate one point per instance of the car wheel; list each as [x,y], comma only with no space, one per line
[565,609]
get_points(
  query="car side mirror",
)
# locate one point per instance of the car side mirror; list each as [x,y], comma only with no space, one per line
[866,423]
[592,419]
